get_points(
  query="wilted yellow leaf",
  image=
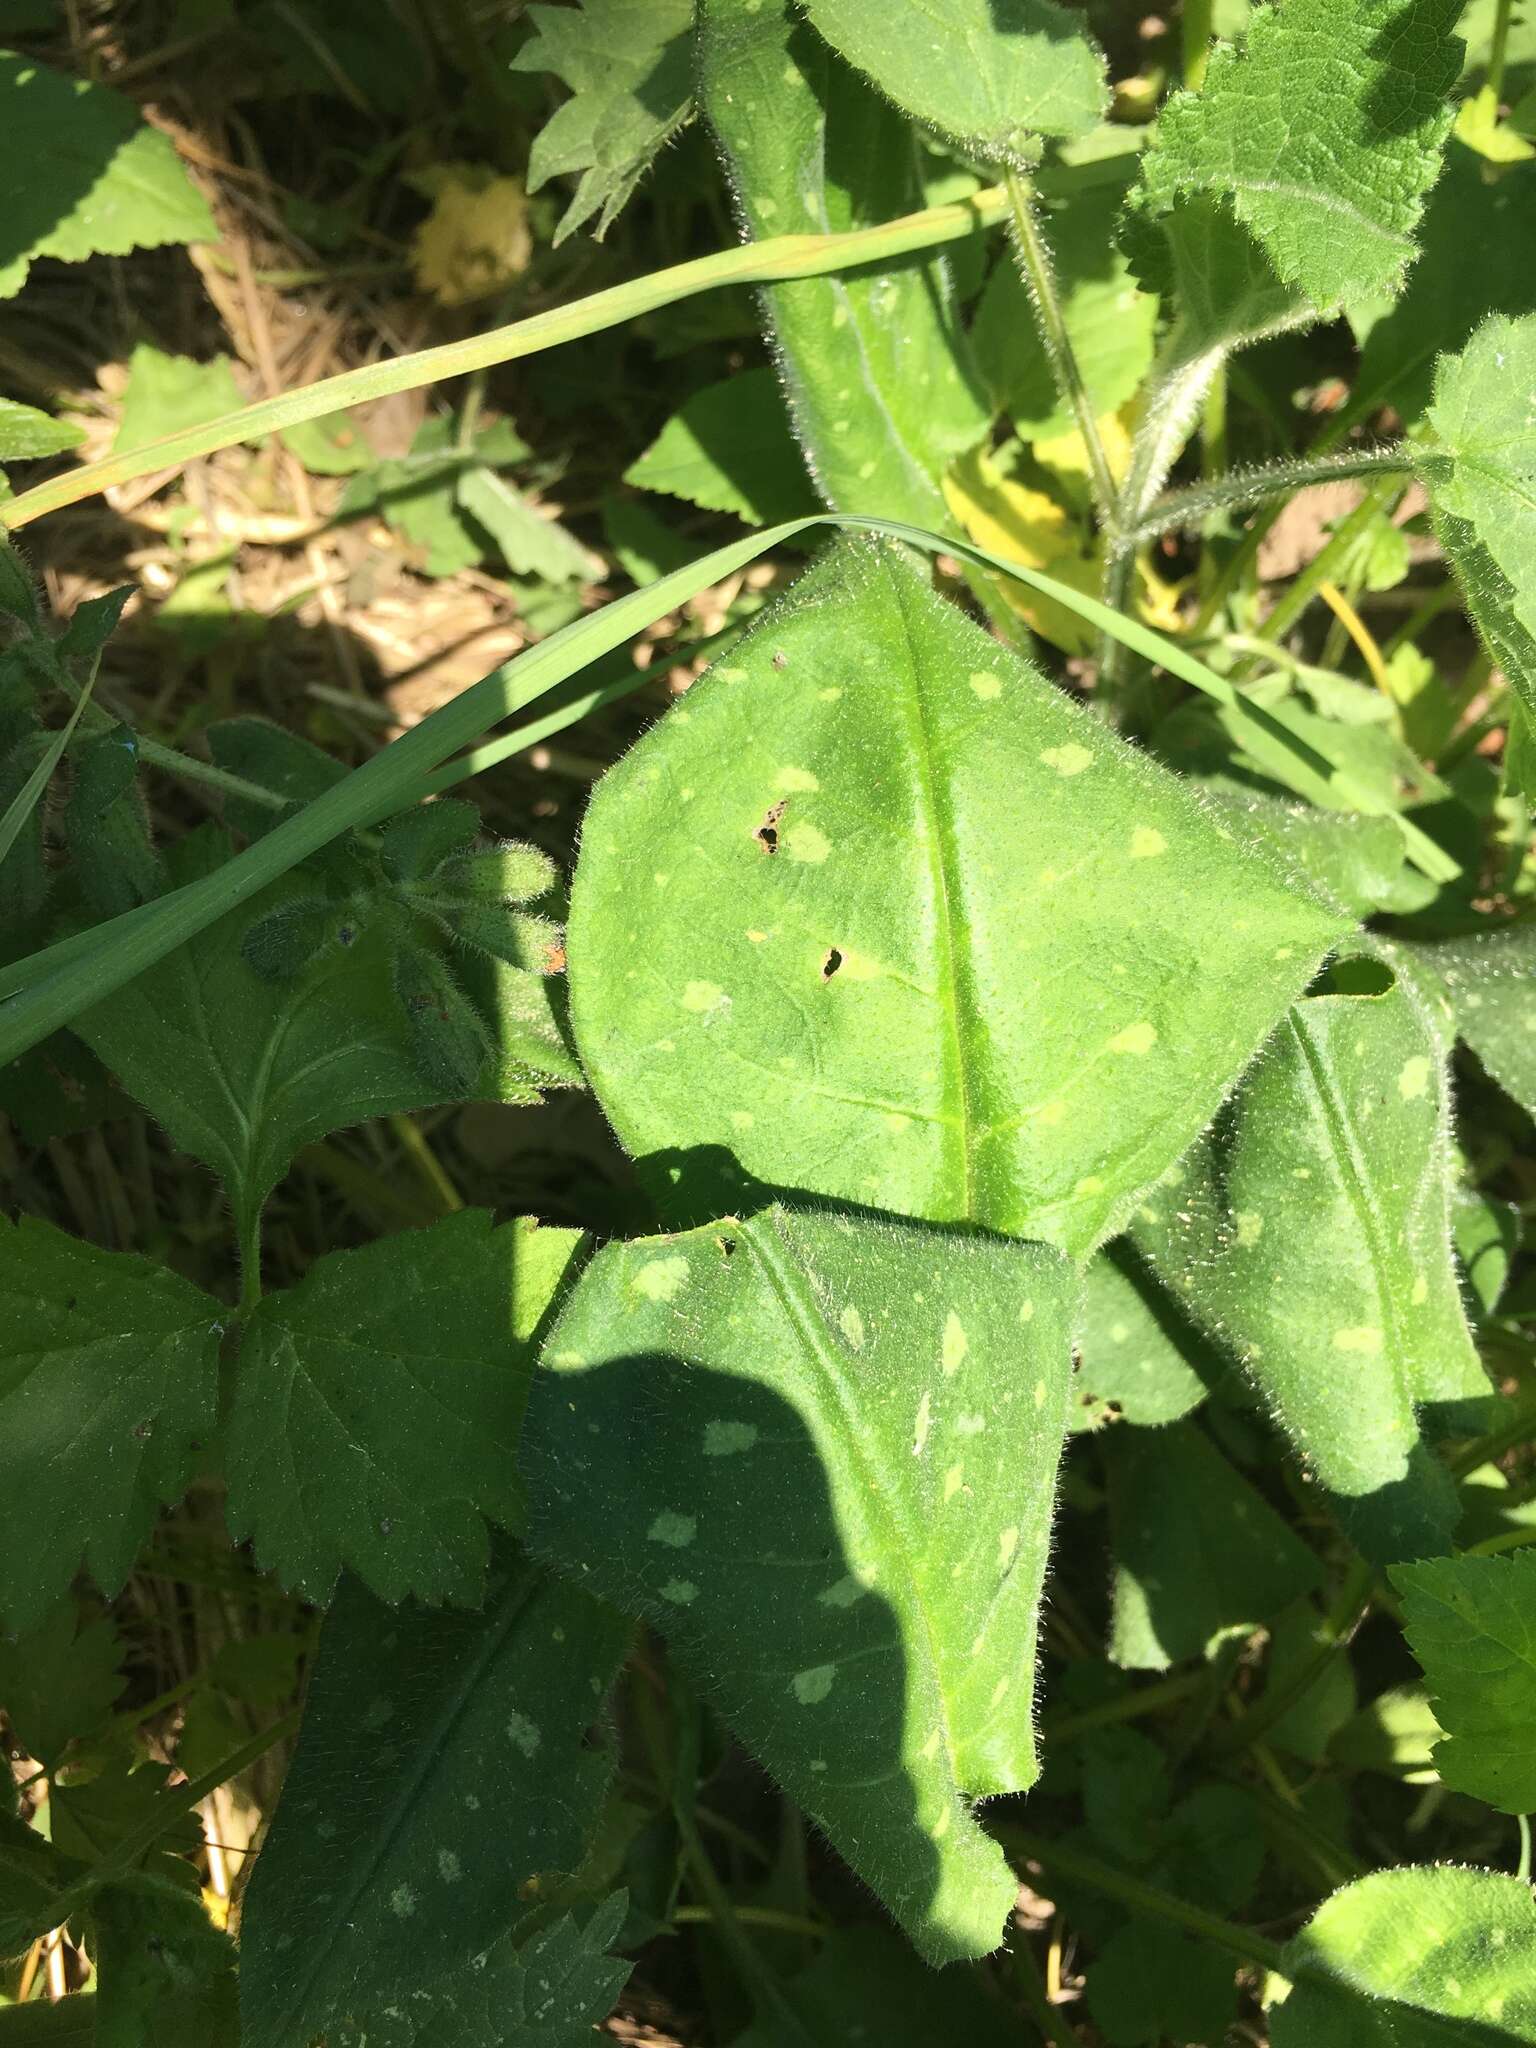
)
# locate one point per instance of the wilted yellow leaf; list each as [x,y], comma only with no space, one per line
[1037,530]
[475,241]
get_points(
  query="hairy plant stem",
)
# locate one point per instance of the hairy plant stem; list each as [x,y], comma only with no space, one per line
[1244,1942]
[1250,486]
[765,262]
[1175,394]
[1039,273]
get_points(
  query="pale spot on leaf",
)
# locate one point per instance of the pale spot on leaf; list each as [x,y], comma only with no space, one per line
[1147,843]
[522,1734]
[851,1323]
[726,1439]
[402,1901]
[1007,1544]
[681,1592]
[1068,760]
[795,778]
[1413,1079]
[1360,1338]
[661,1279]
[1135,1038]
[954,1479]
[676,1531]
[702,997]
[923,1425]
[1250,1227]
[802,842]
[986,685]
[811,1687]
[955,1345]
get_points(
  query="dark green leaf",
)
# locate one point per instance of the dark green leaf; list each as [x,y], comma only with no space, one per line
[377,1407]
[1198,1551]
[108,1385]
[991,73]
[902,1394]
[730,449]
[59,1681]
[444,1773]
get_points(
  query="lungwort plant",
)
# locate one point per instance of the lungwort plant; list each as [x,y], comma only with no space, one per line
[1020,1537]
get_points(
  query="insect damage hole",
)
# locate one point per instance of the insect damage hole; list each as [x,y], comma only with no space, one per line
[767,834]
[831,964]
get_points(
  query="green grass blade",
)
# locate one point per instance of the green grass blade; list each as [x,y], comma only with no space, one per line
[779,257]
[30,795]
[45,990]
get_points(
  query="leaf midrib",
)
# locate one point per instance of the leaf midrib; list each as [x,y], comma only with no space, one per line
[430,1752]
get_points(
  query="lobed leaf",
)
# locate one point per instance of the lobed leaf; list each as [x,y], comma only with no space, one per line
[906,1390]
[1139,1356]
[377,1407]
[919,932]
[873,361]
[1490,979]
[1312,1233]
[108,1396]
[1472,1624]
[730,449]
[84,175]
[443,1771]
[628,64]
[991,73]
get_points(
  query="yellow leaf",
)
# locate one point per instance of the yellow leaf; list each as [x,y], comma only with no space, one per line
[1026,526]
[1479,127]
[475,240]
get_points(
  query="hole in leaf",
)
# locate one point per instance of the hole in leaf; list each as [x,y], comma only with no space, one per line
[767,834]
[831,964]
[1358,975]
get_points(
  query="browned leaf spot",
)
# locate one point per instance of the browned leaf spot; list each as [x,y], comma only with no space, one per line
[767,834]
[831,964]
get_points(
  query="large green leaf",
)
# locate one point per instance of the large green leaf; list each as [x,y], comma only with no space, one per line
[826,1450]
[629,66]
[166,1975]
[108,1394]
[377,1407]
[83,175]
[546,1992]
[59,1680]
[1490,977]
[1481,474]
[1433,1957]
[1312,1233]
[165,393]
[884,915]
[1197,1550]
[872,361]
[443,1767]
[1319,138]
[1472,1624]
[992,73]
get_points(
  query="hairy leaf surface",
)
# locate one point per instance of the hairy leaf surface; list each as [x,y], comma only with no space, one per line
[873,362]
[108,1392]
[629,66]
[884,915]
[826,1450]
[1321,135]
[730,449]
[1481,474]
[1429,1957]
[546,1992]
[1312,1232]
[1139,1356]
[992,73]
[1490,977]
[1472,1624]
[443,1765]
[377,1407]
